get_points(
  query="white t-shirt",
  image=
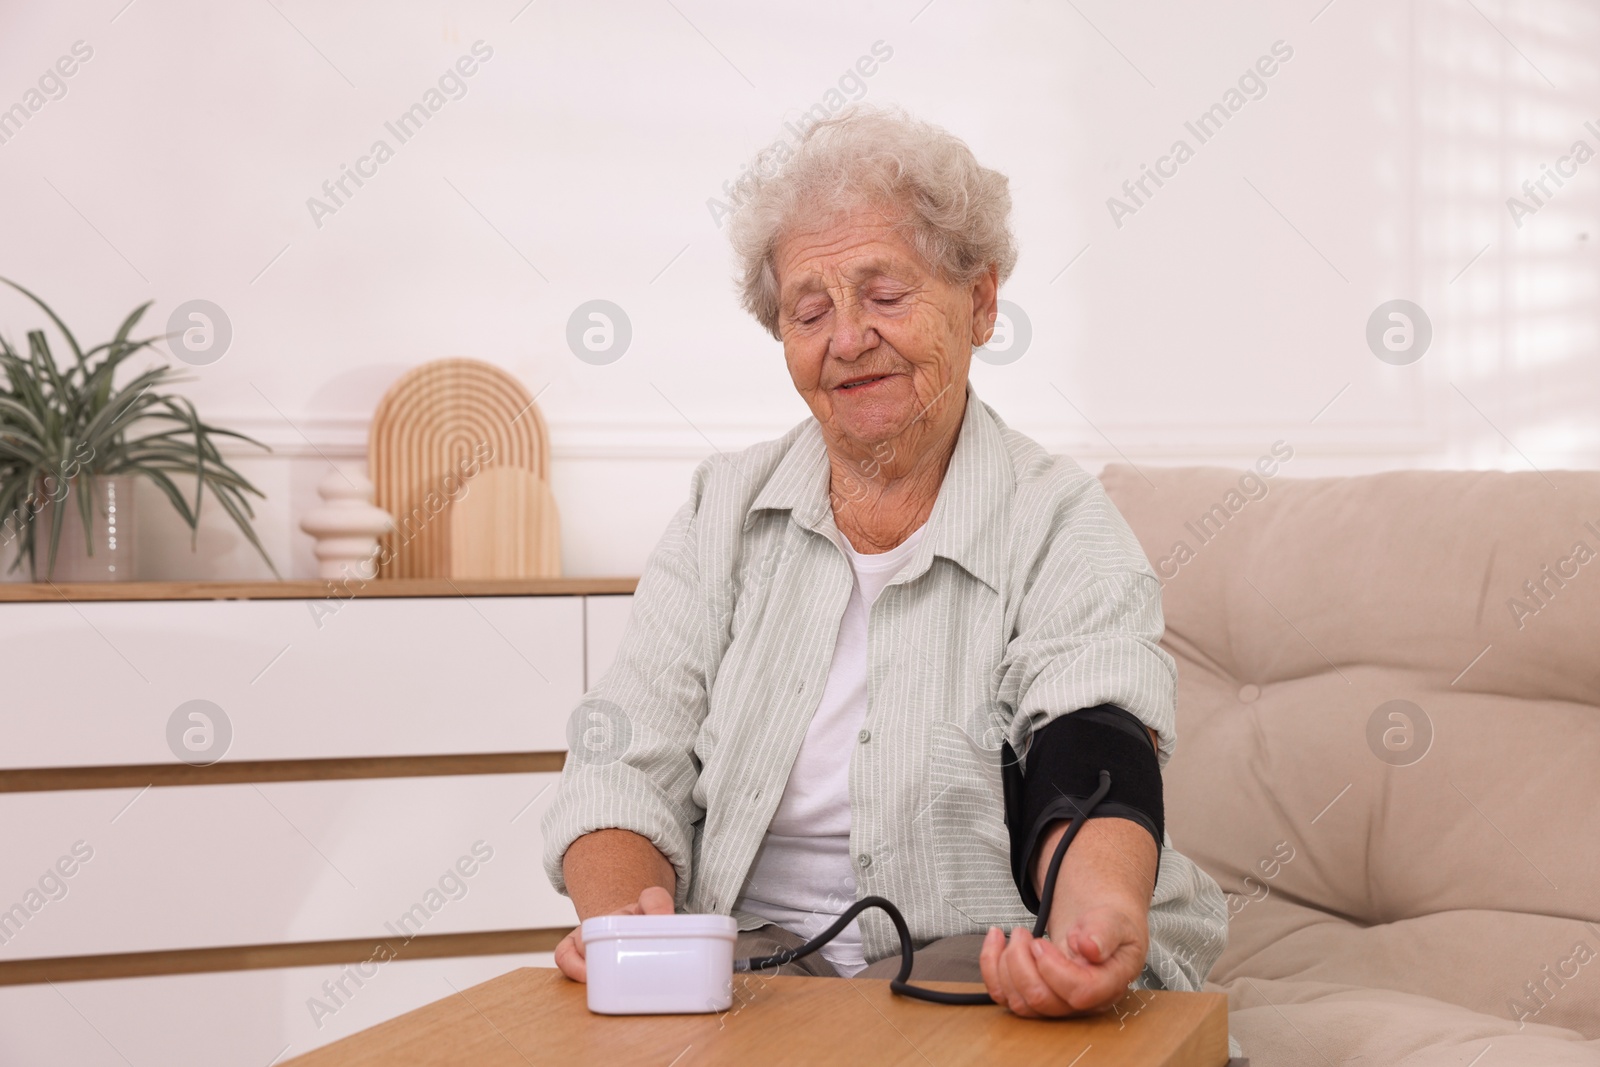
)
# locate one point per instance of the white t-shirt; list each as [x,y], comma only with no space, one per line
[802,878]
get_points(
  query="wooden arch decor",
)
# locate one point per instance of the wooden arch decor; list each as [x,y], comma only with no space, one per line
[433,435]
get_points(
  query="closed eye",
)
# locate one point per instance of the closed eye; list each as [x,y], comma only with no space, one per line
[810,311]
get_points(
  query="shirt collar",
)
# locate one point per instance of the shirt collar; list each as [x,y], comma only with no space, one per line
[968,524]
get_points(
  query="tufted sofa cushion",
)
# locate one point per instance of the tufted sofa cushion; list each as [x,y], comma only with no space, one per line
[1389,726]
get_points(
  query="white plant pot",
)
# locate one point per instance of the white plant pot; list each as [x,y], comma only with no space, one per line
[107,554]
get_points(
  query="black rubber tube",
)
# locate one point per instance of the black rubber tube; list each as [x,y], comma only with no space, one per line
[901,983]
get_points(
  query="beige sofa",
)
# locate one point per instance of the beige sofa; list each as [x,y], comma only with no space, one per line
[1410,883]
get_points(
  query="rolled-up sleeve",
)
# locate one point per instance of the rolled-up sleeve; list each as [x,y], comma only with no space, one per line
[1088,627]
[631,762]
[1087,631]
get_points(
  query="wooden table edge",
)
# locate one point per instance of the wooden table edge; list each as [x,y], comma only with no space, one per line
[313,589]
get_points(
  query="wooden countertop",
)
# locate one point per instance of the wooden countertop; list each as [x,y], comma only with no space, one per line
[24,592]
[535,1016]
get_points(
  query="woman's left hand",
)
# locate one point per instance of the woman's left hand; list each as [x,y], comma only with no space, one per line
[1088,969]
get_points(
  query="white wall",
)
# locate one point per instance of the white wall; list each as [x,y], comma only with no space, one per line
[1226,313]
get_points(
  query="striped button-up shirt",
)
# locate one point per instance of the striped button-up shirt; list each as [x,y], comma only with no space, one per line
[1027,598]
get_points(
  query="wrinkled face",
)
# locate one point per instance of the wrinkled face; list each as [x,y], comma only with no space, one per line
[876,342]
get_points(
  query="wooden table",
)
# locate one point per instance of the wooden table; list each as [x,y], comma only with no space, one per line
[535,1016]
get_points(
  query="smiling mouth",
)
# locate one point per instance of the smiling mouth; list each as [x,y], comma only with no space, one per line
[856,383]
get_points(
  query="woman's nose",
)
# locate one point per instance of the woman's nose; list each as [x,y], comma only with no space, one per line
[852,333]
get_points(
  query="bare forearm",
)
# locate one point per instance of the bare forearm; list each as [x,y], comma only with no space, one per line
[607,870]
[1110,862]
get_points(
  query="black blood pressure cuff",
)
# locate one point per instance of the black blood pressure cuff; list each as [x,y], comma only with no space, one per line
[1065,759]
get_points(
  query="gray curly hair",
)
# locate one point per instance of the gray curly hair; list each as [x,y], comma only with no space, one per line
[953,211]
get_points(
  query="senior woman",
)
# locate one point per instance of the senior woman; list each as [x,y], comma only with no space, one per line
[839,629]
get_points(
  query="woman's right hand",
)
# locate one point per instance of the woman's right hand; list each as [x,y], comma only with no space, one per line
[569,954]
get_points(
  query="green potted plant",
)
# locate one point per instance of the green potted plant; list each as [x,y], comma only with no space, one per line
[72,442]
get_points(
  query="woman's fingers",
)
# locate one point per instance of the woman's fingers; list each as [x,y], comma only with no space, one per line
[1033,977]
[1010,998]
[1113,947]
[569,956]
[994,942]
[1027,986]
[655,901]
[1002,970]
[1081,986]
[1099,933]
[1098,956]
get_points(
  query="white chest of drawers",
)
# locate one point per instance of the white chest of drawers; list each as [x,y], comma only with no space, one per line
[389,756]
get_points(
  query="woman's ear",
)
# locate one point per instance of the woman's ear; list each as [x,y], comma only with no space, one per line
[985,305]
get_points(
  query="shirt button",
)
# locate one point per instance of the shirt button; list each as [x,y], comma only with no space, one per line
[864,860]
[864,736]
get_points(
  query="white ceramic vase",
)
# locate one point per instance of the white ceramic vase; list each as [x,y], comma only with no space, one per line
[347,527]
